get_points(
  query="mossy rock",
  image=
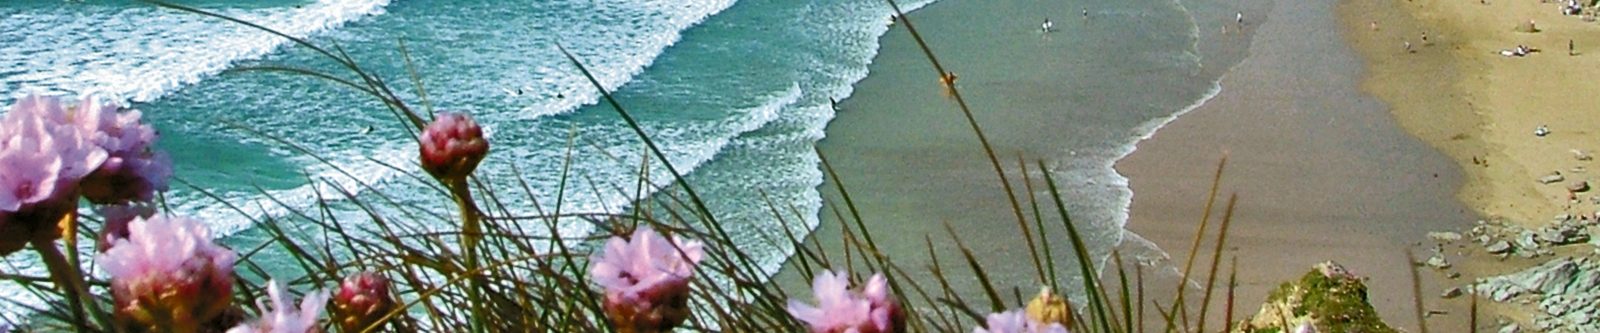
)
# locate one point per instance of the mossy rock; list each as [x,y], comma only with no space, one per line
[1328,297]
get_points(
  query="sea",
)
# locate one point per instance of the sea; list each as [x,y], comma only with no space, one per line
[735,92]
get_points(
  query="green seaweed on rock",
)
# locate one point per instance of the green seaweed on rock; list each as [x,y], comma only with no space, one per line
[1328,297]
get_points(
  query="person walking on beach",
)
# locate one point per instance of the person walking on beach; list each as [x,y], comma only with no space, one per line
[1407,45]
[1239,18]
[1572,49]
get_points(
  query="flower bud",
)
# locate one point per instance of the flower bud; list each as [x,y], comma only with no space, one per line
[362,300]
[116,220]
[452,146]
[1048,308]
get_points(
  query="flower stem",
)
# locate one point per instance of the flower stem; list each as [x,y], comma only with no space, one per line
[66,278]
[471,234]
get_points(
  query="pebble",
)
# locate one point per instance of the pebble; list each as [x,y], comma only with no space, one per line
[1437,262]
[1498,247]
[1578,186]
[1552,178]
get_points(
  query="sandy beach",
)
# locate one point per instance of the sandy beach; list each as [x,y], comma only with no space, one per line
[1482,108]
[1323,171]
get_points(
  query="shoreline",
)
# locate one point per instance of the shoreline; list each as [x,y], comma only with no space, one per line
[1320,169]
[1028,108]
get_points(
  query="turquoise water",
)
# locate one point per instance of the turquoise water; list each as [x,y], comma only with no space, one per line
[736,94]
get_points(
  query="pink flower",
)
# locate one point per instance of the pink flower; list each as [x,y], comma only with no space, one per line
[362,300]
[168,276]
[841,310]
[42,159]
[646,280]
[133,170]
[116,220]
[284,317]
[452,146]
[1017,321]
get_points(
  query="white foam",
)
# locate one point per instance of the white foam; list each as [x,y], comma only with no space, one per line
[1149,128]
[142,53]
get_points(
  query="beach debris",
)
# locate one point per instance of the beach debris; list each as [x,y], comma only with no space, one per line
[1563,290]
[1511,328]
[1578,186]
[1551,178]
[1317,302]
[1445,236]
[1581,155]
[1453,292]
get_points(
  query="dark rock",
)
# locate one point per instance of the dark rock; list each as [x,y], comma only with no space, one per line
[1451,293]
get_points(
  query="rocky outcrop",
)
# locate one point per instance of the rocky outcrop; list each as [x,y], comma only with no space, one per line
[1507,239]
[1565,291]
[1328,298]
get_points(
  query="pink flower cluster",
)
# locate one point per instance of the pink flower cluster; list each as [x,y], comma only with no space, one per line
[167,275]
[133,170]
[284,316]
[840,310]
[51,153]
[646,280]
[1016,321]
[42,159]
